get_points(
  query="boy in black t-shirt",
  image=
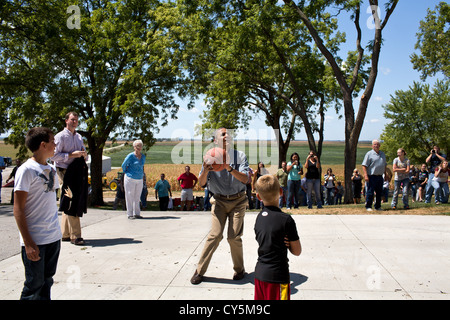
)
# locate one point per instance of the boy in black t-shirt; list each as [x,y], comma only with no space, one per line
[275,233]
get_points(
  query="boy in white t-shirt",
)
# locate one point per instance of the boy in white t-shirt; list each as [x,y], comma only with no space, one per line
[36,214]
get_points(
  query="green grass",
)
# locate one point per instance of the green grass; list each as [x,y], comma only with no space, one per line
[8,150]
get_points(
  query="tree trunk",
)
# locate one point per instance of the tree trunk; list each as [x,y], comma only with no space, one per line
[349,166]
[352,127]
[282,149]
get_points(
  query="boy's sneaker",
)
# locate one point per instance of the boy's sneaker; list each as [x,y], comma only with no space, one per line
[369,209]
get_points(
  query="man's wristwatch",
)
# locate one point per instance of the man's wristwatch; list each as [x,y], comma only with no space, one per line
[229,171]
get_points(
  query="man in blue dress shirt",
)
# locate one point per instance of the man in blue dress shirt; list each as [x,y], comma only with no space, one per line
[229,203]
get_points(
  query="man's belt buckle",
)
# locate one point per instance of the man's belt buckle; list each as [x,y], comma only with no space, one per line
[229,196]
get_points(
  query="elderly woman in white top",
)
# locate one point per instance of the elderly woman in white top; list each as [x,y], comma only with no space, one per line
[133,168]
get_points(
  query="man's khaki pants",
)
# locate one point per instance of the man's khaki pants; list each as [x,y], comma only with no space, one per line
[222,209]
[70,225]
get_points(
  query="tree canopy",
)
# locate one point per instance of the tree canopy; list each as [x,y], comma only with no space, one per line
[433,42]
[419,118]
[258,56]
[348,82]
[109,63]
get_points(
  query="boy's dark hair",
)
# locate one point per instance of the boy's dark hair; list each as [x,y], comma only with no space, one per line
[37,135]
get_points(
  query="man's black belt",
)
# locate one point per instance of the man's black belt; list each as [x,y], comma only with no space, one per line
[231,196]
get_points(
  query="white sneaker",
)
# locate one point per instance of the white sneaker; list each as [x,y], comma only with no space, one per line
[369,209]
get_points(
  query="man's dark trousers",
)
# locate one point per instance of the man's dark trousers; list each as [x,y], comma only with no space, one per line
[375,185]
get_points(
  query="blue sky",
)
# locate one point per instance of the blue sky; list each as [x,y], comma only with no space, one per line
[395,73]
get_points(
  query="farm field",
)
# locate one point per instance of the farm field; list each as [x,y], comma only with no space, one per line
[166,152]
[170,157]
[8,150]
[175,152]
[160,160]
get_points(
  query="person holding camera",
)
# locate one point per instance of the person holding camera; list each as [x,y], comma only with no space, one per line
[330,186]
[434,160]
[312,164]
[294,170]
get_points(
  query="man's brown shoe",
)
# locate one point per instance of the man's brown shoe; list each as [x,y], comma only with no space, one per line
[239,276]
[196,278]
[77,241]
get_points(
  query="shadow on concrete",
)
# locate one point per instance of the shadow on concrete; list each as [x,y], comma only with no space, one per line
[296,280]
[6,210]
[110,242]
[159,218]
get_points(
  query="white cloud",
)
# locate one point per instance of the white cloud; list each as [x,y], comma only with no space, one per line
[374,120]
[378,98]
[193,110]
[385,71]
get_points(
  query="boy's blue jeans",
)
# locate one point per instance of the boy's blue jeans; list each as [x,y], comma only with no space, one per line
[39,274]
